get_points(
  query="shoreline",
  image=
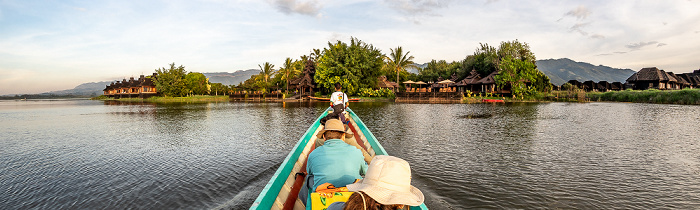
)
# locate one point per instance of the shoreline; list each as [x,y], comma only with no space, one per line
[682,97]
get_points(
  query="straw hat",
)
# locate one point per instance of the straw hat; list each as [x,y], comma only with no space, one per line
[332,125]
[388,181]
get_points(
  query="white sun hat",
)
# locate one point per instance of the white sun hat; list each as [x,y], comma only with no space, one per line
[388,181]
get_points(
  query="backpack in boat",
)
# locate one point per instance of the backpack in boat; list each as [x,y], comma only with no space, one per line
[326,194]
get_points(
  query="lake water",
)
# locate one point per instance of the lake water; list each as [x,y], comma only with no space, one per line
[81,154]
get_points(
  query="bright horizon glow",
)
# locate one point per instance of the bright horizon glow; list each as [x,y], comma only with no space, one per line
[56,45]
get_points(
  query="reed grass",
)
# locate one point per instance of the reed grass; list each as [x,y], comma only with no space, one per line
[685,96]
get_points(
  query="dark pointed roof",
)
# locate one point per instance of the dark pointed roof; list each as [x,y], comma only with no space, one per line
[651,74]
[383,83]
[490,79]
[473,78]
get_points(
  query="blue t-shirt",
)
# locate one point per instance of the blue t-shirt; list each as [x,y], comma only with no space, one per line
[336,162]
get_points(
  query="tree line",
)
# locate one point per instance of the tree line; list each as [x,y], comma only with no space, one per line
[357,65]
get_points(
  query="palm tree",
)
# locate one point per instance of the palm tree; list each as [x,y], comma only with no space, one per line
[316,55]
[399,61]
[266,72]
[288,69]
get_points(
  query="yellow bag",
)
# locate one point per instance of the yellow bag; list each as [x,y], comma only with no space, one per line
[321,201]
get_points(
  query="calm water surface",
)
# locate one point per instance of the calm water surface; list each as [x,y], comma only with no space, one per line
[79,154]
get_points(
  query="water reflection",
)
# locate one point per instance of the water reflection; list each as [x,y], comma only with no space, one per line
[100,155]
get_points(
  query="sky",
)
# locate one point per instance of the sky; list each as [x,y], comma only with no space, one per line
[56,45]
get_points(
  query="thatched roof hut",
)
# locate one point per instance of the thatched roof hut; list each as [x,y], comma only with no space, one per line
[651,78]
[383,83]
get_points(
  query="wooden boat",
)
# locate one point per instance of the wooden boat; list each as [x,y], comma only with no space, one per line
[282,189]
[492,100]
[328,99]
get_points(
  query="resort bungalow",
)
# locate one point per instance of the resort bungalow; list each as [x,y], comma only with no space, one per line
[603,86]
[141,88]
[692,79]
[384,84]
[576,83]
[617,86]
[652,78]
[590,85]
[488,83]
[468,83]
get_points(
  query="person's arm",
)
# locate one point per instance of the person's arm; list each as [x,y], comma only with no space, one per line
[345,100]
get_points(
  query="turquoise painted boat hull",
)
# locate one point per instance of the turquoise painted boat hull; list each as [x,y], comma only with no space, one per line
[271,196]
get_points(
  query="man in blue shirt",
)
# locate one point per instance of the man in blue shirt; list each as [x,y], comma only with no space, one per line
[335,162]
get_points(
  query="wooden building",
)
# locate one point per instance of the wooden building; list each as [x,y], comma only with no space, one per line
[305,84]
[617,86]
[692,79]
[383,83]
[144,87]
[488,83]
[652,78]
[576,83]
[590,85]
[603,86]
[469,83]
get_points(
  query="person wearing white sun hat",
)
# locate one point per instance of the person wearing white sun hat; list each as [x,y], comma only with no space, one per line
[387,185]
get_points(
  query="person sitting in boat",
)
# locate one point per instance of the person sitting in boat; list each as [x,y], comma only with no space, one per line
[348,138]
[339,101]
[335,162]
[387,185]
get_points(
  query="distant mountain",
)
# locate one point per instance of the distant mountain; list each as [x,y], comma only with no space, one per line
[85,89]
[562,70]
[416,71]
[234,78]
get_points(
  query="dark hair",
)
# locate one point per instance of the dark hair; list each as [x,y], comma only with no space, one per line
[355,202]
[337,86]
[333,134]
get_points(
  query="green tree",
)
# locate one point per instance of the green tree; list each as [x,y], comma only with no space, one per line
[266,71]
[217,88]
[485,60]
[517,65]
[516,73]
[197,83]
[171,82]
[398,61]
[436,69]
[289,70]
[355,66]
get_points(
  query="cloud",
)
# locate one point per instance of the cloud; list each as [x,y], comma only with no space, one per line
[580,12]
[597,36]
[417,7]
[310,8]
[661,45]
[80,9]
[640,45]
[578,27]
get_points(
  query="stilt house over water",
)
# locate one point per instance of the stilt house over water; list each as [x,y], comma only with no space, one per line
[648,78]
[141,88]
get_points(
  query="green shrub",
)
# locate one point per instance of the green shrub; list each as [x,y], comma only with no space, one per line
[369,92]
